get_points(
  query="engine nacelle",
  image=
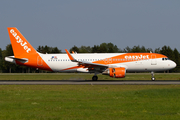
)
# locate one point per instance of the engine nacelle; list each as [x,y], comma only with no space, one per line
[118,72]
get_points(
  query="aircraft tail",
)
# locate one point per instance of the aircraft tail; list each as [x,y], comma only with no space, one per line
[19,43]
[24,53]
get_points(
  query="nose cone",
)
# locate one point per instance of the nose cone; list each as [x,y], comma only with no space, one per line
[172,64]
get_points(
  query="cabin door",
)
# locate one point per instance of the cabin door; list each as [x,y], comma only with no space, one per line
[153,60]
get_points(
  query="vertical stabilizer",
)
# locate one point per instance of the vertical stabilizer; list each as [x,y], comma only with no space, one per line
[19,43]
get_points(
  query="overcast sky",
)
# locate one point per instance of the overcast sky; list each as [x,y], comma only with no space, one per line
[65,23]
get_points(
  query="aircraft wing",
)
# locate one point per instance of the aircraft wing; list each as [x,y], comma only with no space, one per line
[84,63]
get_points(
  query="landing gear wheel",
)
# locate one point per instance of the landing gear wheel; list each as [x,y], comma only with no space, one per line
[95,78]
[153,78]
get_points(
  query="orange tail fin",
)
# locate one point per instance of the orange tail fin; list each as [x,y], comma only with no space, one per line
[19,43]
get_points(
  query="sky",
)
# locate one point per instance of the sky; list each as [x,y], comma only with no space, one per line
[65,23]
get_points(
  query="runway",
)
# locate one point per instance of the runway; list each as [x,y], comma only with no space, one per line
[89,82]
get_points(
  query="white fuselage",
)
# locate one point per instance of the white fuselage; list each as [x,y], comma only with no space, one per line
[61,62]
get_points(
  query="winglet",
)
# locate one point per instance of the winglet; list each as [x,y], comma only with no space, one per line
[70,56]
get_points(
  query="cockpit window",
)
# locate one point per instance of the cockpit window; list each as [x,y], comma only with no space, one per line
[165,59]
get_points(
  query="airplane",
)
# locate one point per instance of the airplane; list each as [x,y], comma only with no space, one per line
[113,64]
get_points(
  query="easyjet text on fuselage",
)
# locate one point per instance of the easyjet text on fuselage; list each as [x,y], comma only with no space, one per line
[137,57]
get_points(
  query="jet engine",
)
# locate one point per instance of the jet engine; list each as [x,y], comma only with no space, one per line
[118,72]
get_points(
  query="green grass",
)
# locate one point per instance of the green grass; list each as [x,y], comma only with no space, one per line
[81,76]
[90,102]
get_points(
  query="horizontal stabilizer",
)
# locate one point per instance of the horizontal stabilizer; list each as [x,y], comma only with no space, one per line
[12,59]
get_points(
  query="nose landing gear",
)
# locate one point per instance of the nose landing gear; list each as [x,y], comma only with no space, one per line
[152,78]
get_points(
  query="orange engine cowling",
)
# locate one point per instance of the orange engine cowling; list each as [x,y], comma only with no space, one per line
[117,72]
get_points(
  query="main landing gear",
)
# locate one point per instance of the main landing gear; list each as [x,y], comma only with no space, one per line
[152,78]
[95,78]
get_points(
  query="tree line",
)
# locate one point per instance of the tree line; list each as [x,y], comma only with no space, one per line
[6,67]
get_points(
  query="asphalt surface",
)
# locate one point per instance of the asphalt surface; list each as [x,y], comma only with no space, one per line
[89,82]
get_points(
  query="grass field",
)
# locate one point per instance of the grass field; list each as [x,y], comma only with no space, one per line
[89,102]
[81,76]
